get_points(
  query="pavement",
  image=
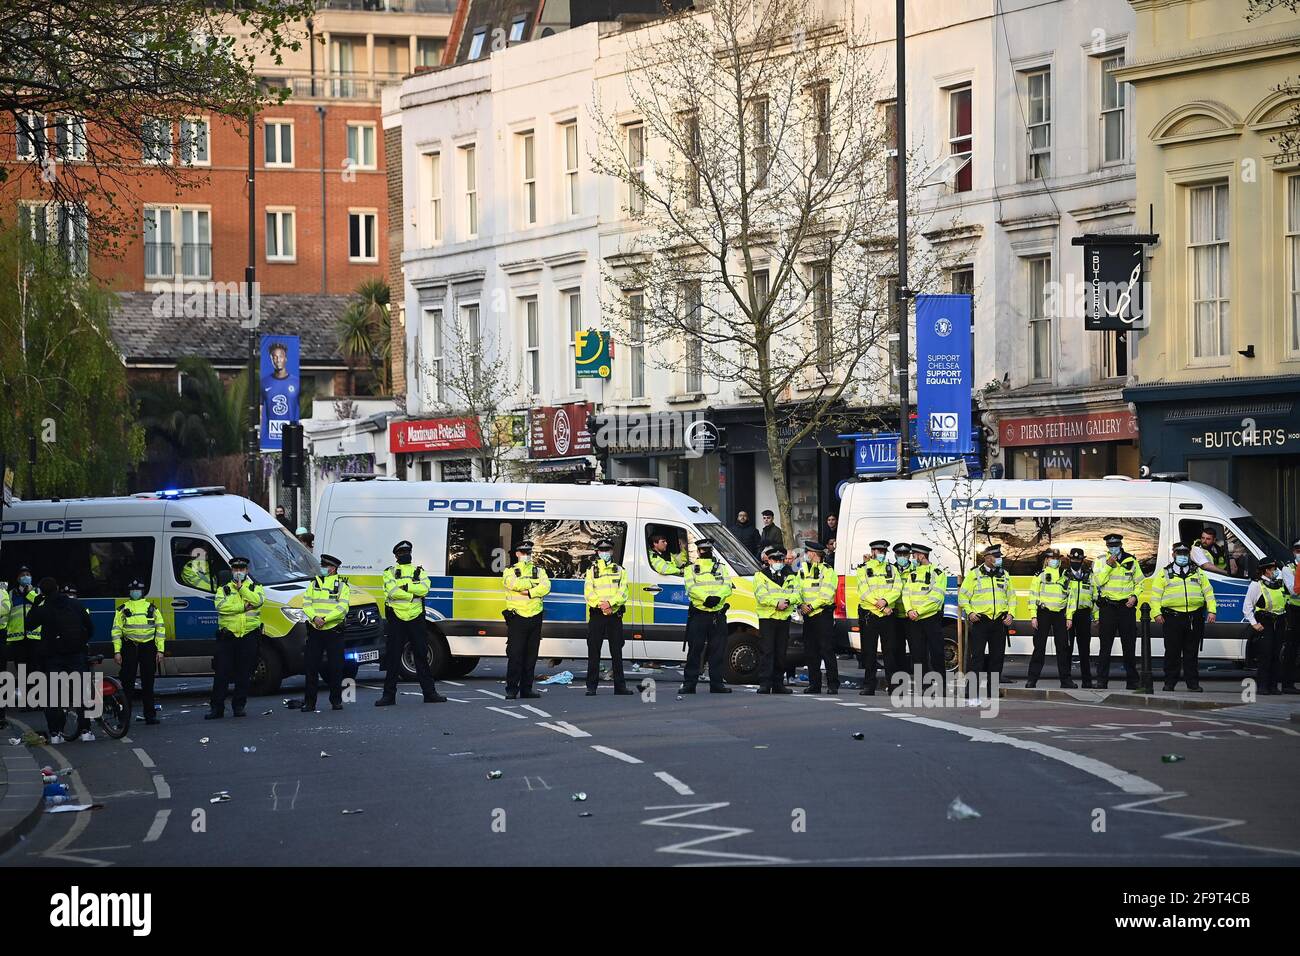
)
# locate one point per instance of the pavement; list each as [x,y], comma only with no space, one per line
[738,779]
[20,789]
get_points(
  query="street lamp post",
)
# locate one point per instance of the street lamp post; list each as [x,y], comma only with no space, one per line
[250,278]
[904,294]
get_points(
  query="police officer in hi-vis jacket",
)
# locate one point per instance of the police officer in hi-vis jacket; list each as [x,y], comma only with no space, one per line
[405,586]
[880,588]
[1183,601]
[1079,609]
[1049,598]
[326,606]
[816,583]
[985,599]
[775,595]
[239,630]
[605,588]
[925,589]
[1119,578]
[526,583]
[708,585]
[138,639]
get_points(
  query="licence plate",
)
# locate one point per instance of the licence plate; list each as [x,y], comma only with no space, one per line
[365,657]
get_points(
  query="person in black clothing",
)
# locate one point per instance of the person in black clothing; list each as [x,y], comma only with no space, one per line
[831,529]
[283,518]
[746,533]
[66,630]
[772,536]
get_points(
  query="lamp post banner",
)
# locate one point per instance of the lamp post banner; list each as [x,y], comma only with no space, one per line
[944,374]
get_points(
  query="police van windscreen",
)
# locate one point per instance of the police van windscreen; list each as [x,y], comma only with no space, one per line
[728,548]
[1263,539]
[274,555]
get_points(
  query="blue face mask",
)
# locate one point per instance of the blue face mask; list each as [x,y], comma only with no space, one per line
[1181,560]
[1053,562]
[25,580]
[1116,551]
[777,565]
[997,562]
[902,562]
[136,595]
[605,555]
[326,570]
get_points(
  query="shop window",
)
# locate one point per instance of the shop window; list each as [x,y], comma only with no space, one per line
[1141,537]
[803,499]
[196,571]
[426,471]
[1096,461]
[1058,463]
[1209,471]
[1023,541]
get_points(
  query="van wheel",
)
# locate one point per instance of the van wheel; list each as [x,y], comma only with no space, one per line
[268,673]
[459,667]
[743,657]
[438,656]
[950,652]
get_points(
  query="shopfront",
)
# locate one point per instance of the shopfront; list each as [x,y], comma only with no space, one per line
[1241,436]
[435,449]
[559,443]
[1085,445]
[677,450]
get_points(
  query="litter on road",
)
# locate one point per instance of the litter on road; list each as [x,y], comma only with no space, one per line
[859,735]
[585,813]
[221,796]
[75,807]
[579,796]
[958,810]
[324,754]
[346,812]
[250,750]
[1172,758]
[494,775]
[564,677]
[205,740]
[265,713]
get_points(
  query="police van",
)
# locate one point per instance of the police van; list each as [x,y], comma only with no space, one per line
[465,533]
[178,542]
[1026,517]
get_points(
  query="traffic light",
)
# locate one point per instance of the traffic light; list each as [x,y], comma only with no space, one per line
[291,459]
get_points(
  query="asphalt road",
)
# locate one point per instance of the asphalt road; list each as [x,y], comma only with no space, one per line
[710,779]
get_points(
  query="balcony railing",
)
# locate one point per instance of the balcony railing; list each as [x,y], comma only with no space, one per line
[196,260]
[347,87]
[160,260]
[391,6]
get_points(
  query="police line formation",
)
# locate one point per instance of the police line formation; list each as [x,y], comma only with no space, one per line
[900,603]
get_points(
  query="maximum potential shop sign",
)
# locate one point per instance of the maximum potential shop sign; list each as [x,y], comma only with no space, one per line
[944,374]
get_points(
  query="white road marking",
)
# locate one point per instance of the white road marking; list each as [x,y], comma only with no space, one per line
[508,713]
[877,710]
[453,683]
[536,710]
[689,847]
[492,693]
[156,829]
[848,703]
[145,759]
[1122,779]
[676,784]
[164,789]
[1193,835]
[616,754]
[459,701]
[564,727]
[542,784]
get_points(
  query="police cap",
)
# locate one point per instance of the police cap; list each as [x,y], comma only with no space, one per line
[403,546]
[881,545]
[921,549]
[239,562]
[814,546]
[1113,539]
[331,561]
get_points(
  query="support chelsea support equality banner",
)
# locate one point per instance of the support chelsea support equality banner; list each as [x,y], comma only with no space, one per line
[944,374]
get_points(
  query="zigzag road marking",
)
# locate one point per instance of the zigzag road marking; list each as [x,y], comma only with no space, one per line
[1193,835]
[689,848]
[564,727]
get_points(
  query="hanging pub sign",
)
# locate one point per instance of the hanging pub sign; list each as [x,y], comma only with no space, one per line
[1113,281]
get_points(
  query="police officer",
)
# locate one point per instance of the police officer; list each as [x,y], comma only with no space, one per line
[138,640]
[1079,608]
[816,584]
[1208,555]
[23,639]
[526,583]
[6,602]
[1048,599]
[880,588]
[708,585]
[1291,641]
[239,630]
[893,641]
[665,562]
[605,589]
[325,603]
[197,572]
[1182,597]
[405,586]
[925,588]
[775,596]
[1119,578]
[1264,609]
[985,599]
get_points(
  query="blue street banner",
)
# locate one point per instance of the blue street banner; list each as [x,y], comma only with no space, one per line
[592,353]
[878,455]
[281,387]
[944,374]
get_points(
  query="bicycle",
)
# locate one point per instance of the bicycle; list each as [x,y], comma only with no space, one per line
[115,716]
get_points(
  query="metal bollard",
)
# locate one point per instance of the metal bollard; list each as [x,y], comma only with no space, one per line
[1146,682]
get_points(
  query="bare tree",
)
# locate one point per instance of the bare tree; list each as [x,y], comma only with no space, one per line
[1288,138]
[955,529]
[469,376]
[759,174]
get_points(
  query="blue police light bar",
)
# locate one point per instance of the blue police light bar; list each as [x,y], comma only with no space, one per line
[187,492]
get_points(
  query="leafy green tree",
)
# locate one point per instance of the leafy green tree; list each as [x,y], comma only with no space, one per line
[365,335]
[62,377]
[202,418]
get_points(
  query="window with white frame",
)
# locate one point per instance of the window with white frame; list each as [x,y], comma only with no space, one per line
[196,243]
[159,243]
[528,177]
[470,178]
[571,167]
[532,347]
[889,113]
[692,311]
[573,308]
[636,345]
[1293,264]
[195,142]
[690,132]
[361,236]
[278,139]
[156,141]
[474,343]
[361,145]
[1038,90]
[476,43]
[760,137]
[428,51]
[961,281]
[961,140]
[636,167]
[436,362]
[433,201]
[1038,272]
[1114,96]
[63,225]
[70,136]
[821,118]
[1114,354]
[30,135]
[893,337]
[1207,249]
[823,332]
[280,235]
[762,285]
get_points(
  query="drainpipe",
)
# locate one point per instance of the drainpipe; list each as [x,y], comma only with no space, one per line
[324,247]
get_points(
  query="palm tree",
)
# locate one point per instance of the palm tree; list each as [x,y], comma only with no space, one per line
[203,418]
[365,331]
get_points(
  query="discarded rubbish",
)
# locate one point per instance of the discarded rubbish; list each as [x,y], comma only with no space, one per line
[957,810]
[267,713]
[446,733]
[1172,758]
[461,753]
[564,677]
[324,754]
[760,746]
[679,696]
[346,812]
[494,775]
[75,807]
[250,750]
[205,740]
[15,741]
[33,739]
[293,704]
[579,796]
[859,735]
[220,796]
[585,813]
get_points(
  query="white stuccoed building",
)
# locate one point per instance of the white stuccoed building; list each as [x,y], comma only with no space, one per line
[506,227]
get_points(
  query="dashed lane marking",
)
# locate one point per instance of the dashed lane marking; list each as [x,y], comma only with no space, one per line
[564,727]
[616,754]
[164,789]
[492,693]
[673,782]
[453,683]
[508,713]
[144,758]
[156,828]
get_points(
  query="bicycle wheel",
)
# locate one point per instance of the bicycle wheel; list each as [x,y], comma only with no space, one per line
[116,718]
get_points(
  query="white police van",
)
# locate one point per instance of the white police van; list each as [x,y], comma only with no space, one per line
[464,535]
[101,544]
[1025,517]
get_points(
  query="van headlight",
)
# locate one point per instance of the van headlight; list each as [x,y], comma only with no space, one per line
[294,615]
